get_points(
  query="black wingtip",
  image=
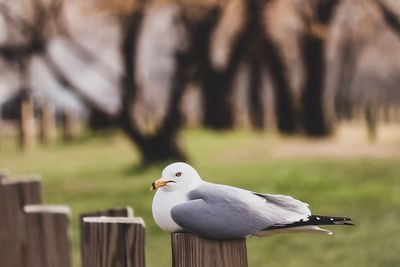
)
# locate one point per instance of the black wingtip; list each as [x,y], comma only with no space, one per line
[329,220]
[316,220]
[343,223]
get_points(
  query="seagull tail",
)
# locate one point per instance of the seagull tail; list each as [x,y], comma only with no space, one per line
[298,229]
[311,224]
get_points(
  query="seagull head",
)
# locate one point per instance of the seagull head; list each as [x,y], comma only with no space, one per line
[177,176]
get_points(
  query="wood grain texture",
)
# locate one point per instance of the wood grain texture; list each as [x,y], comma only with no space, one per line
[107,244]
[117,212]
[14,195]
[48,243]
[189,250]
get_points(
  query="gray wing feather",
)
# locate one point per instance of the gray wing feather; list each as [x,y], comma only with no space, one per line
[220,221]
[287,202]
[218,211]
[224,212]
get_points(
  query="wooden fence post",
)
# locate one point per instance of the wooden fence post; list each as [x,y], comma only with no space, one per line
[47,122]
[3,175]
[68,125]
[48,242]
[119,212]
[1,128]
[113,242]
[14,195]
[26,120]
[371,118]
[189,250]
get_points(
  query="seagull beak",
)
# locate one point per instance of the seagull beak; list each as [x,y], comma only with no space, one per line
[159,183]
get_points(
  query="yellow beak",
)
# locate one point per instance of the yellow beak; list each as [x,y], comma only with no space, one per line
[159,183]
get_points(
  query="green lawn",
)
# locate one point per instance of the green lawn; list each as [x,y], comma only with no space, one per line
[98,173]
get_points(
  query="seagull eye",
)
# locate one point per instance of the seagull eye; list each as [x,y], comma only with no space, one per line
[178,174]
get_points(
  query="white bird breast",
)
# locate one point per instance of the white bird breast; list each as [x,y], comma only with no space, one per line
[163,202]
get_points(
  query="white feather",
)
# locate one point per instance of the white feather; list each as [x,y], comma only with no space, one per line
[300,229]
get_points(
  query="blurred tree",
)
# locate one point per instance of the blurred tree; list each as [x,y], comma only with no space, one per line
[250,43]
[28,35]
[287,120]
[159,146]
[220,37]
[163,144]
[391,19]
[314,41]
[261,53]
[216,83]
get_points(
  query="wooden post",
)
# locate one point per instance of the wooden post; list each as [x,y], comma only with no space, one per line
[21,191]
[3,175]
[113,242]
[27,120]
[121,212]
[395,113]
[68,125]
[47,123]
[48,243]
[189,250]
[14,195]
[371,118]
[1,127]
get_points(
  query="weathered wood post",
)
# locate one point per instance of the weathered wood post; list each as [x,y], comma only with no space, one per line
[26,120]
[68,125]
[47,123]
[113,242]
[118,212]
[14,195]
[189,250]
[48,241]
[1,127]
[371,119]
[3,175]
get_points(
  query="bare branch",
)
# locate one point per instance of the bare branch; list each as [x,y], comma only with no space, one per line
[13,52]
[391,19]
[89,56]
[18,22]
[65,82]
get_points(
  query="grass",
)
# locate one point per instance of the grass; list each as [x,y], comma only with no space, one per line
[98,173]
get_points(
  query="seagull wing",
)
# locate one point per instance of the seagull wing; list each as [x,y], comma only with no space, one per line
[298,210]
[225,212]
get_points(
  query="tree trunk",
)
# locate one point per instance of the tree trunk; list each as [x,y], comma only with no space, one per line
[316,122]
[256,108]
[218,111]
[255,31]
[100,120]
[347,65]
[286,116]
[390,18]
[163,145]
[217,101]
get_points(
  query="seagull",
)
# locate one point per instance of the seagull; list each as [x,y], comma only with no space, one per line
[184,202]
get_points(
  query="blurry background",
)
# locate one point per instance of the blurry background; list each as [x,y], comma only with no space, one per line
[280,96]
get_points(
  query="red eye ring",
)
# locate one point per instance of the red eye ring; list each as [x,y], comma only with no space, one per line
[178,174]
